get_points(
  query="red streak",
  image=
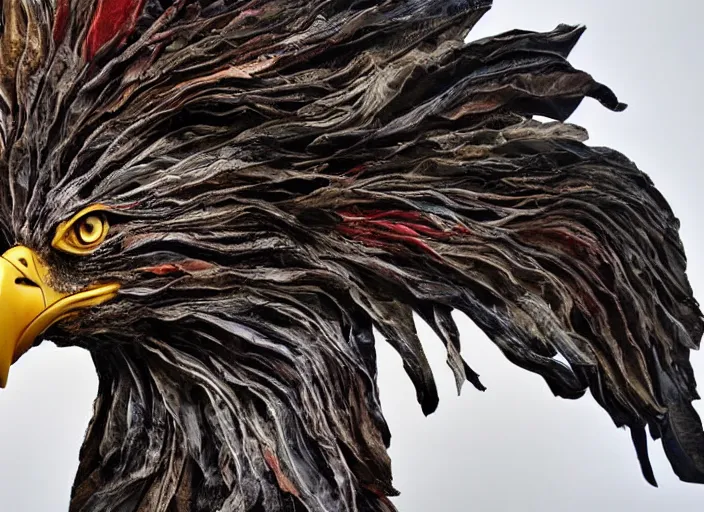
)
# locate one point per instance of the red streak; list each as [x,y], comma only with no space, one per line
[60,19]
[355,171]
[162,270]
[284,482]
[384,228]
[396,228]
[180,267]
[111,18]
[462,229]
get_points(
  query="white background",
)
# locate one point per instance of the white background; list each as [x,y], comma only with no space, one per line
[514,447]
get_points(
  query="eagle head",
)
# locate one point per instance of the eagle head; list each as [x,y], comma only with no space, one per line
[222,201]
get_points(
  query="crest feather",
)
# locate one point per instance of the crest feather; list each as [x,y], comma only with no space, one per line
[112,19]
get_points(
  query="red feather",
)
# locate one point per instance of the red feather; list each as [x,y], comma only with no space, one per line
[379,228]
[60,19]
[186,266]
[111,18]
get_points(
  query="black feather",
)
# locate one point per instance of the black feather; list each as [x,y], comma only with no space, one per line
[284,176]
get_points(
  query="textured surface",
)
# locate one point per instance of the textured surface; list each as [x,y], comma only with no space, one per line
[289,175]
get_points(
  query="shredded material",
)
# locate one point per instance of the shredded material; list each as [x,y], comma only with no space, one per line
[286,175]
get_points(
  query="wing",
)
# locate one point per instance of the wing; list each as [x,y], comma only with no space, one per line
[549,245]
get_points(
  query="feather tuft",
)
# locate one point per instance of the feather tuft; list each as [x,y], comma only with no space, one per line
[112,20]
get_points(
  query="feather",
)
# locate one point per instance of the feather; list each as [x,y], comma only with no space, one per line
[112,18]
[284,177]
[60,20]
[640,443]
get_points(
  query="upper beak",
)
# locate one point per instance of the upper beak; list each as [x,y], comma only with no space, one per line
[28,305]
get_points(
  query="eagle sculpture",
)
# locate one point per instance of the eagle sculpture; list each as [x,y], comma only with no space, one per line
[222,200]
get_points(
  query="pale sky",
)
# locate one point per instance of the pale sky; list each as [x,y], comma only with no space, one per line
[514,447]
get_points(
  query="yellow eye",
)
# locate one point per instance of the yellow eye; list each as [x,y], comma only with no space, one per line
[84,232]
[90,229]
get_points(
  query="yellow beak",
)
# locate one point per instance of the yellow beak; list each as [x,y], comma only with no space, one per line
[29,305]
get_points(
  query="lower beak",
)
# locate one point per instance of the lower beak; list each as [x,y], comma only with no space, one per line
[28,305]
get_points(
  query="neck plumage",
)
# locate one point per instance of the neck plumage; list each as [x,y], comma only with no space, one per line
[172,432]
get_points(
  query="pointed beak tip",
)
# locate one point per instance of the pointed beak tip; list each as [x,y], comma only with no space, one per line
[28,310]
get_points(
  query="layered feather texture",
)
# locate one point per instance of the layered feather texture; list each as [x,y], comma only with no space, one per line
[286,176]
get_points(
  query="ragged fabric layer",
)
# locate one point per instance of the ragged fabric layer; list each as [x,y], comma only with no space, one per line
[286,176]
